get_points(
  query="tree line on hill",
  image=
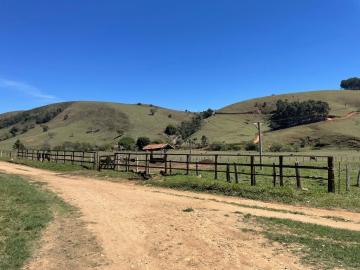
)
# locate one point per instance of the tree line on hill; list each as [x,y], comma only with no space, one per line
[188,128]
[21,122]
[289,114]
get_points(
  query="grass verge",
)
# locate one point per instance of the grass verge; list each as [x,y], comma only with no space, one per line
[314,197]
[25,209]
[76,169]
[321,246]
[52,166]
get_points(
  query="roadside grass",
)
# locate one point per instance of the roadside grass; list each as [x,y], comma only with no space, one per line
[25,210]
[52,166]
[321,246]
[313,194]
[76,169]
[316,196]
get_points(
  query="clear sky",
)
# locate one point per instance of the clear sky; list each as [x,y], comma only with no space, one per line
[184,54]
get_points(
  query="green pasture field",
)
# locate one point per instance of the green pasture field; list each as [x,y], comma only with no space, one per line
[25,209]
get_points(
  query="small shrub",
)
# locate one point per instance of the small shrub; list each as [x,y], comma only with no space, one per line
[126,143]
[141,142]
[153,111]
[276,147]
[45,128]
[218,146]
[170,130]
[18,145]
[250,146]
[14,130]
[204,141]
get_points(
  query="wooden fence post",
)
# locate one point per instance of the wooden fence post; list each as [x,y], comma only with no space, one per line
[94,160]
[236,173]
[187,164]
[82,158]
[165,164]
[228,173]
[274,175]
[348,178]
[216,167]
[297,174]
[281,175]
[331,177]
[252,171]
[197,168]
[339,178]
[128,162]
[137,164]
[358,179]
[170,165]
[146,163]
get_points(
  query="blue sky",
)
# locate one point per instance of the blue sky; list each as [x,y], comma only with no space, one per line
[184,54]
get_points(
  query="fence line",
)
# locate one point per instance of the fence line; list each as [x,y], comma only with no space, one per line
[231,166]
[74,157]
[166,164]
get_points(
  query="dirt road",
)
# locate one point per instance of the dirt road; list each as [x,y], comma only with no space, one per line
[142,227]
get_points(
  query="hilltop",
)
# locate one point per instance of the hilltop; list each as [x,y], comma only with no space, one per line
[97,123]
[234,123]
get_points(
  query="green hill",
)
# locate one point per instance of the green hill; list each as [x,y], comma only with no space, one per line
[234,123]
[97,123]
[100,123]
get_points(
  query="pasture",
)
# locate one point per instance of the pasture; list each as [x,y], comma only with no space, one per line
[301,179]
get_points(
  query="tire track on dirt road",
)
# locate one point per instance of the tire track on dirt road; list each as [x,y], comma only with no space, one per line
[142,227]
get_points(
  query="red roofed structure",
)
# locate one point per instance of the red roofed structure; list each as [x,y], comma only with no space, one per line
[157,147]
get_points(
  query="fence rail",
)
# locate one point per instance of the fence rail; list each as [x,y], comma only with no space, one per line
[230,167]
[74,157]
[246,165]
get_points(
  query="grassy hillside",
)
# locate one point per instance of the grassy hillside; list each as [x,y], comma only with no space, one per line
[234,123]
[92,122]
[99,123]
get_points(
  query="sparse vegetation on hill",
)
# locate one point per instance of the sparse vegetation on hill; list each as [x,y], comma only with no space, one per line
[102,125]
[187,128]
[38,116]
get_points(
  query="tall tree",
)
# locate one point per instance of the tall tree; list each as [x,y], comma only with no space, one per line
[351,84]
